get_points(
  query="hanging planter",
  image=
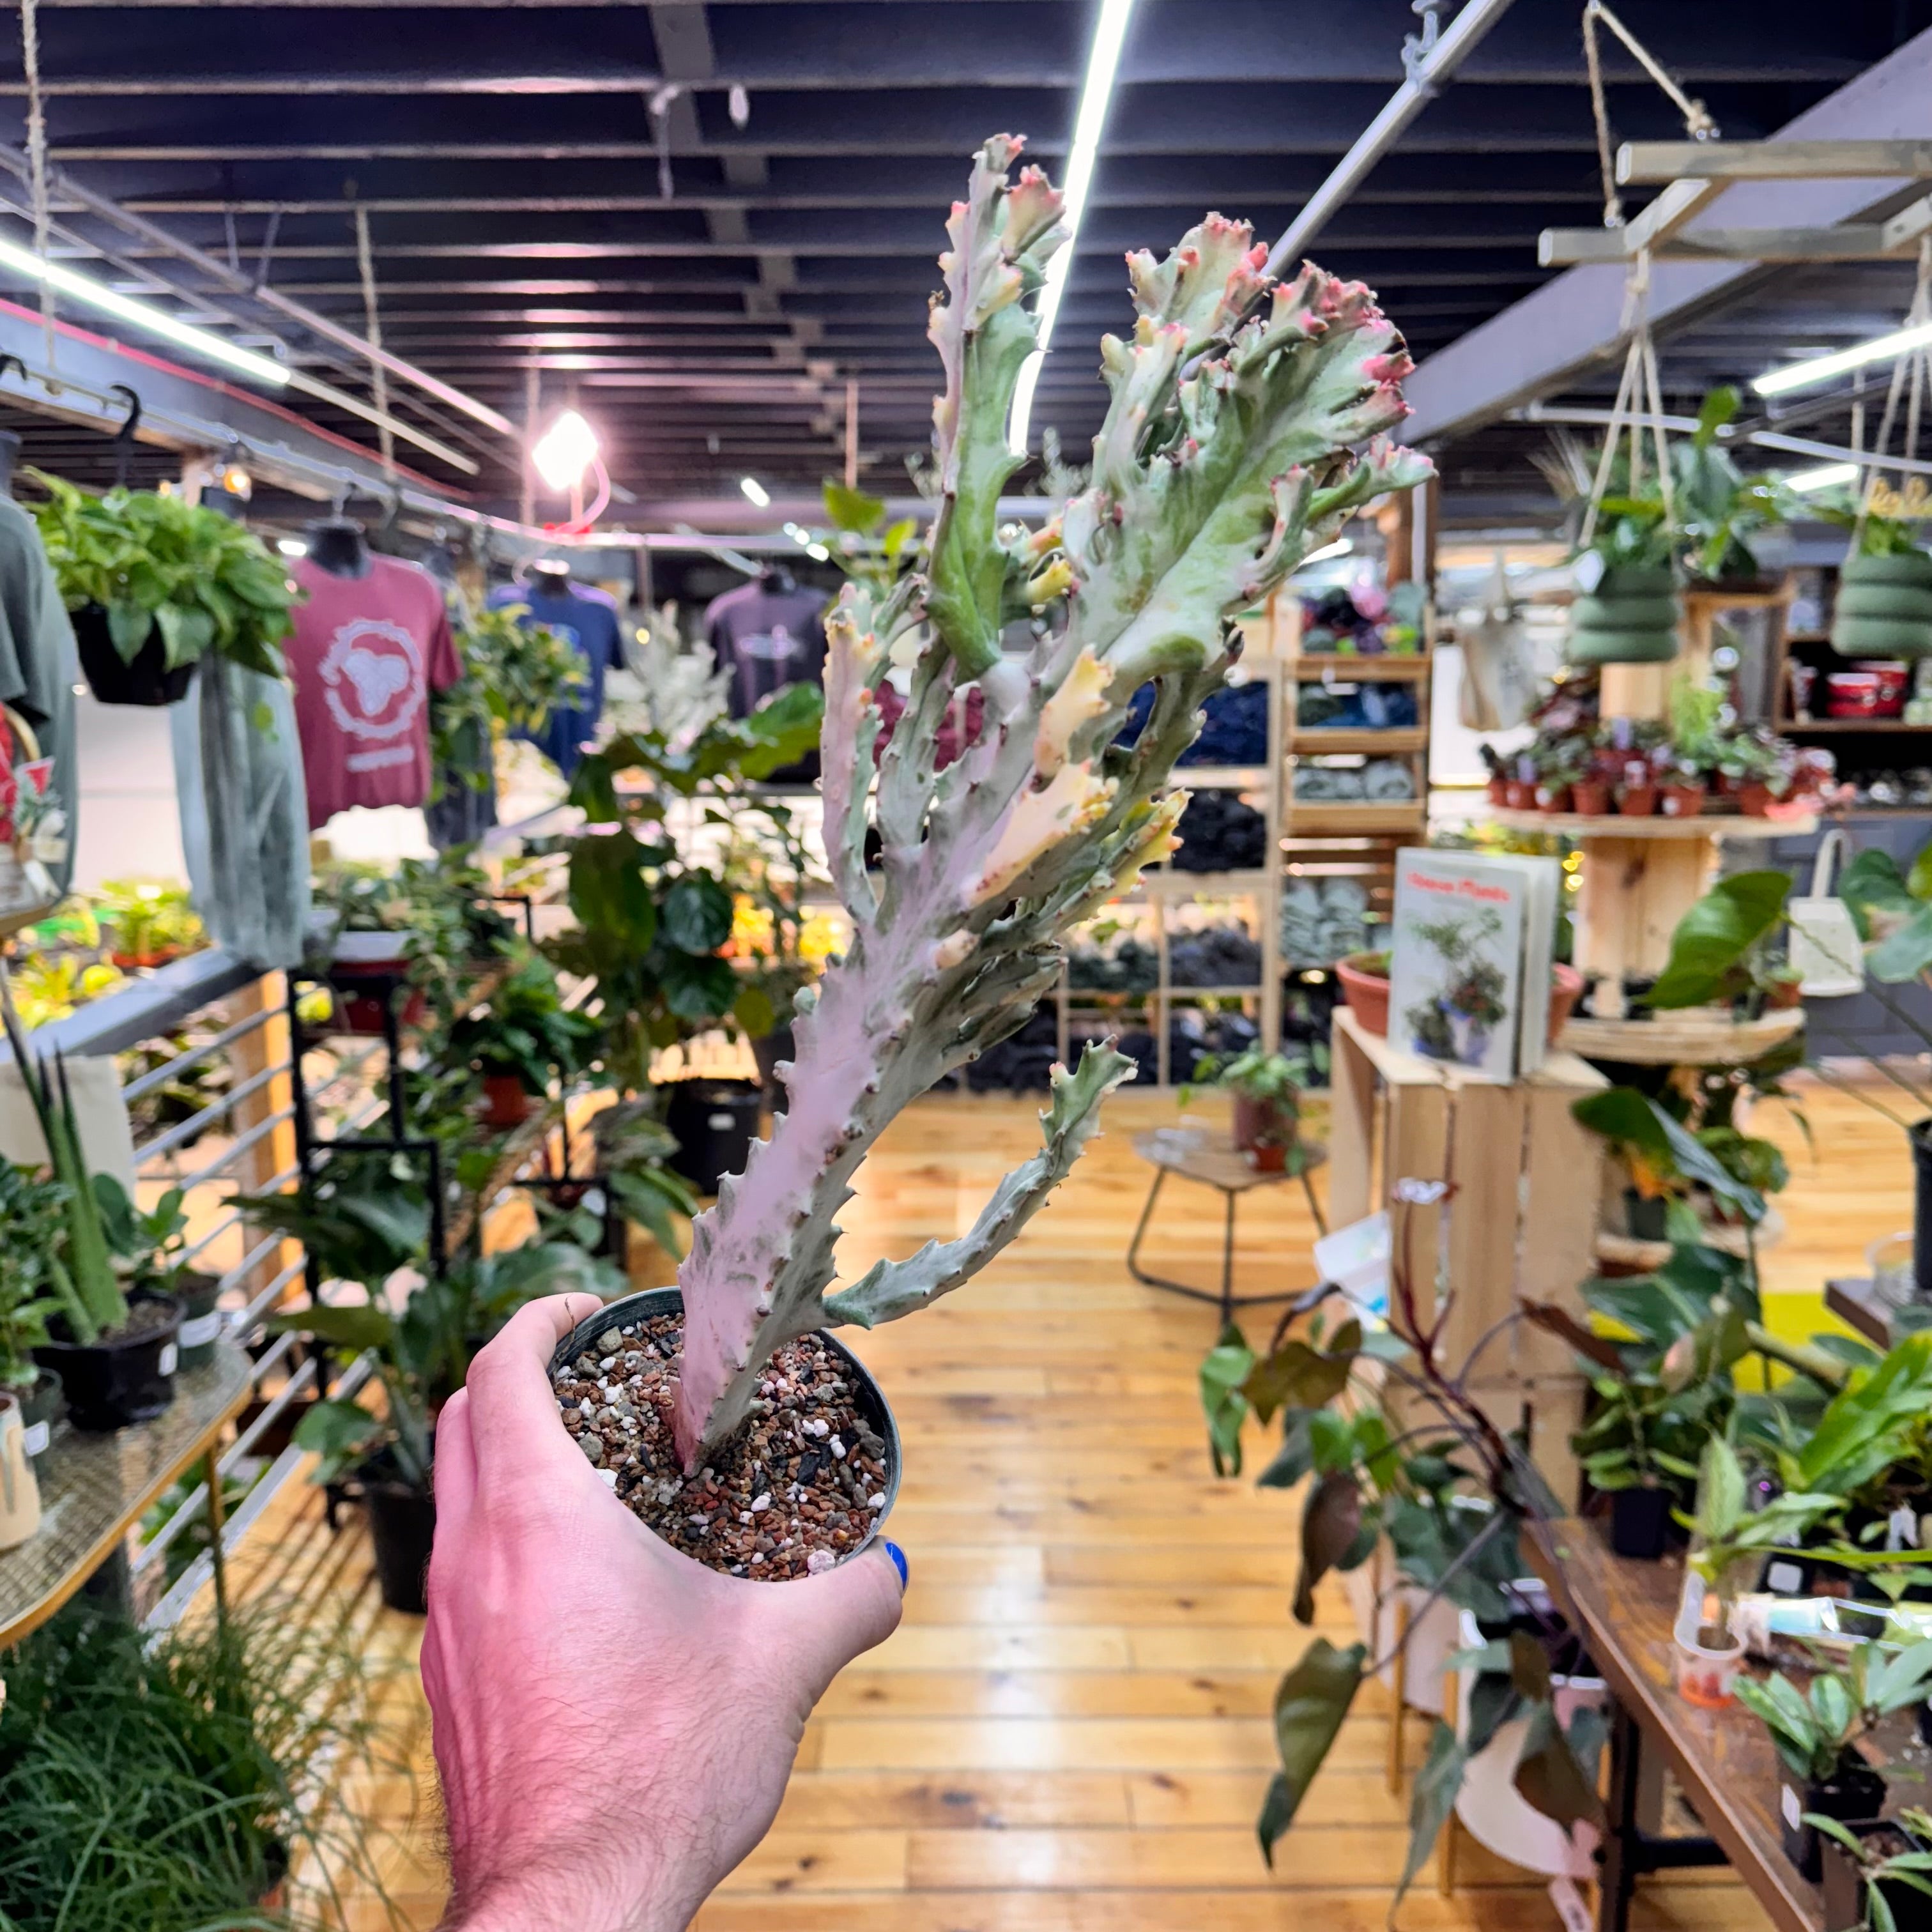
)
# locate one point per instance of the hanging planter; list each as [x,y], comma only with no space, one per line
[1884,606]
[144,677]
[1629,617]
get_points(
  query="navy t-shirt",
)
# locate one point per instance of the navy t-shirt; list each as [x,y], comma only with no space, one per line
[588,619]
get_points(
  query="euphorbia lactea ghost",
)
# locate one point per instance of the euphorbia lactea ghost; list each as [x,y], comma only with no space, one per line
[1228,452]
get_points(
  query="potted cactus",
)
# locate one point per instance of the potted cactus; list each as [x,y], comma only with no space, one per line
[1226,454]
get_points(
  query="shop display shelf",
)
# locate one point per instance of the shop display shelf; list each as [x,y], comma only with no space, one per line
[1220,777]
[95,1488]
[1698,1037]
[1615,825]
[1832,727]
[1345,667]
[1345,817]
[1387,741]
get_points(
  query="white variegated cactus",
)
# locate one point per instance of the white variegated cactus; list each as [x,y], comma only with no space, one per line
[1227,453]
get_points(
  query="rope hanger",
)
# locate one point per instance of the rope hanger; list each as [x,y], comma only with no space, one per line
[1911,373]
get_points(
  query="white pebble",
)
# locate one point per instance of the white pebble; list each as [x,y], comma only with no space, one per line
[699,1522]
[744,1516]
[838,1449]
[878,1502]
[608,1363]
[610,1478]
[820,1561]
[819,1427]
[760,1503]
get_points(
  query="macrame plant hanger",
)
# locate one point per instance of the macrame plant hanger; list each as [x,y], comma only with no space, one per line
[1910,374]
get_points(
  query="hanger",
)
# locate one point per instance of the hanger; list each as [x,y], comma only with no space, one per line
[124,436]
[777,577]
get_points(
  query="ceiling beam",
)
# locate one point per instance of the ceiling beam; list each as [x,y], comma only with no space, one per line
[1649,161]
[1572,323]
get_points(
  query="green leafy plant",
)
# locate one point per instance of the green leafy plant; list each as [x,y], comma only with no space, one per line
[1718,508]
[151,562]
[1730,1540]
[515,673]
[1713,947]
[423,1353]
[1815,1729]
[151,919]
[1665,1158]
[32,1218]
[55,986]
[1910,1870]
[862,544]
[527,1031]
[364,1217]
[1259,1075]
[632,1146]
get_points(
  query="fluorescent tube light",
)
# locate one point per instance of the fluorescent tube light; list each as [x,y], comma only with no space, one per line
[1096,93]
[818,550]
[756,491]
[1823,368]
[292,546]
[1829,477]
[202,342]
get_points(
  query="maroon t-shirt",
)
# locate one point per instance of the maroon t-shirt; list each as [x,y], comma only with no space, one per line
[366,654]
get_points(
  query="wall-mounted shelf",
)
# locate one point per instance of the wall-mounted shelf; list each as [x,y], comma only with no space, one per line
[1346,667]
[1832,727]
[1348,817]
[1387,742]
[1616,825]
[1221,778]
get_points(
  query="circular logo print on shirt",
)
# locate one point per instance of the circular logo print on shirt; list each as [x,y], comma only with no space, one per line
[372,677]
[774,645]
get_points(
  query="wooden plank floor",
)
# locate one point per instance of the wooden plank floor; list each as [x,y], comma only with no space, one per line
[1069,1732]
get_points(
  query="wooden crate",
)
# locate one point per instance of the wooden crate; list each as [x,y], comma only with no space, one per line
[1518,1220]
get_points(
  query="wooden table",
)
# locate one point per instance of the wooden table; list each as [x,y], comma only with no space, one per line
[1856,1299]
[95,1488]
[1723,1760]
[1228,1169]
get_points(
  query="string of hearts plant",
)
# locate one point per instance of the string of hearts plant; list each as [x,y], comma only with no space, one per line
[1228,452]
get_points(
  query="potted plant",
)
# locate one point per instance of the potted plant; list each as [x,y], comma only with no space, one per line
[1717,509]
[525,1037]
[1636,794]
[1365,985]
[422,1355]
[1883,608]
[515,673]
[1627,609]
[986,863]
[152,1245]
[1816,1732]
[1266,1089]
[151,919]
[155,584]
[115,1348]
[30,1223]
[1877,1872]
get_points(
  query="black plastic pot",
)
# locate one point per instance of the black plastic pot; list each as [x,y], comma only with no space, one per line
[128,1379]
[145,679]
[716,1122]
[1920,1139]
[1856,1792]
[201,1318]
[867,1397]
[42,1405]
[1640,1523]
[402,1527]
[1645,1215]
[1845,1900]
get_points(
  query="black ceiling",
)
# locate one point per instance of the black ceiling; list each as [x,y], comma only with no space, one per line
[507,158]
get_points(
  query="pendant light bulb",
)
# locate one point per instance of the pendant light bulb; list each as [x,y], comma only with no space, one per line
[565,451]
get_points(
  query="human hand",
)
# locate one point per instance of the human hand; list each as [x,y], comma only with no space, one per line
[614,1724]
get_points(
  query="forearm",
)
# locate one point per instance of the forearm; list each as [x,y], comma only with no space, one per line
[584,1900]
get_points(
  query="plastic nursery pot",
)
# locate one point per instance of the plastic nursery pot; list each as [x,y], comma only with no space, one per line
[1884,606]
[1644,1217]
[402,1528]
[1707,1668]
[1519,795]
[1263,1126]
[19,1494]
[1640,1523]
[715,1123]
[1754,798]
[1854,1792]
[1844,1885]
[1368,995]
[869,1399]
[201,1318]
[1552,798]
[1920,1140]
[1498,791]
[505,1103]
[1590,797]
[1681,801]
[1636,801]
[126,1379]
[145,679]
[43,1402]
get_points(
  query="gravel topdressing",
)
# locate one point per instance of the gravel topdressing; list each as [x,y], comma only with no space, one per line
[800,1486]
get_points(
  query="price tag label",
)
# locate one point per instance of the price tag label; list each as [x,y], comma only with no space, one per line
[36,1435]
[201,1330]
[170,1355]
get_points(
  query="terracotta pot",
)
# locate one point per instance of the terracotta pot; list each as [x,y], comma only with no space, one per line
[1498,791]
[1782,995]
[132,962]
[1754,798]
[506,1103]
[1263,1127]
[1681,801]
[1637,801]
[1552,798]
[1519,795]
[1270,1157]
[1566,988]
[1590,797]
[1367,995]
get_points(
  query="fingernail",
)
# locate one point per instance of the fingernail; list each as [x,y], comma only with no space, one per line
[899,1564]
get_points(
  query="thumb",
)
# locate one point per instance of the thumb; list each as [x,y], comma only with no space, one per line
[826,1621]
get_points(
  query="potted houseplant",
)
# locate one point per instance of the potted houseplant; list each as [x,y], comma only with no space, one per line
[1266,1089]
[1883,608]
[155,584]
[525,1037]
[1365,985]
[31,1221]
[515,673]
[1717,510]
[115,1348]
[1877,1872]
[152,1243]
[151,920]
[1627,608]
[1816,1732]
[987,863]
[422,1355]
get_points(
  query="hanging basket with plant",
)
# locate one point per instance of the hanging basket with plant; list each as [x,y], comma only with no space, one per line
[154,584]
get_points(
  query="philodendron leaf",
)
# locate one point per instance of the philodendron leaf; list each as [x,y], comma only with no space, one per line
[1432,1801]
[1529,1666]
[1550,1780]
[1872,882]
[1296,1376]
[1295,1457]
[1310,1705]
[1905,951]
[1331,1519]
[352,1325]
[1712,938]
[1223,1372]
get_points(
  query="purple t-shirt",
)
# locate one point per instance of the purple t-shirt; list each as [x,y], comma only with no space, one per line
[366,654]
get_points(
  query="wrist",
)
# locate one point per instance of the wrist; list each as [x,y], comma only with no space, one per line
[539,1902]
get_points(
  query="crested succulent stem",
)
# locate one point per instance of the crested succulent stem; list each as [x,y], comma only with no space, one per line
[1229,451]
